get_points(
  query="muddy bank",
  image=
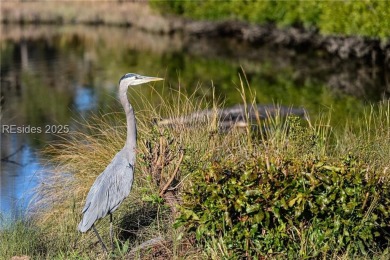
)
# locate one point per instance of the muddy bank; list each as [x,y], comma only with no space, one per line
[141,16]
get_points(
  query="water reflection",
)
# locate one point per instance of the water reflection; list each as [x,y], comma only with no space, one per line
[85,99]
[50,75]
[18,178]
[17,182]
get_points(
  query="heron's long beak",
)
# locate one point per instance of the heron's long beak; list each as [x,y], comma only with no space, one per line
[146,79]
[138,79]
[153,78]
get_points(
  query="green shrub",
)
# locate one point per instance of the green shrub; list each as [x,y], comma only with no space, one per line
[366,18]
[294,204]
[369,18]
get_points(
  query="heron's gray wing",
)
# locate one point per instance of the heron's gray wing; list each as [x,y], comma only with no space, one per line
[110,188]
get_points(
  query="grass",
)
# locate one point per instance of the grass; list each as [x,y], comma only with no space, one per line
[20,238]
[172,154]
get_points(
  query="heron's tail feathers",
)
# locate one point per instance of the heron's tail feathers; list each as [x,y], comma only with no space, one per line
[84,226]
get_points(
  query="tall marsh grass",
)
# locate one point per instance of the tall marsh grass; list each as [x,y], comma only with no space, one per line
[169,155]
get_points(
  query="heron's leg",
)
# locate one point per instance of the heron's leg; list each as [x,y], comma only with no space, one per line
[111,233]
[100,239]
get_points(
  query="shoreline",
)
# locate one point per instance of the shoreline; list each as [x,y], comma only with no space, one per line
[141,16]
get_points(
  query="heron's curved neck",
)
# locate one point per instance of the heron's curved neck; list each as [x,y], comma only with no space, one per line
[131,139]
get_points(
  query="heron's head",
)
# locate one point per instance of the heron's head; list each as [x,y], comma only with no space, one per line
[131,79]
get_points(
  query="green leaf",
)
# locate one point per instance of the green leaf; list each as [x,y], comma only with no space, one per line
[257,218]
[253,208]
[292,201]
[332,168]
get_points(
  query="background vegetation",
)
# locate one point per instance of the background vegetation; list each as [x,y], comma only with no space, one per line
[288,186]
[364,18]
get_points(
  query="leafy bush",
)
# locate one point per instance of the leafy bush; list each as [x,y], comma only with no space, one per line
[293,204]
[367,18]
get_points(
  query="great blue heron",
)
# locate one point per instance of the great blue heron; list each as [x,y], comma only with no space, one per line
[113,185]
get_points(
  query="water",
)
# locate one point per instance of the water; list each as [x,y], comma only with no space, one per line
[51,75]
[18,179]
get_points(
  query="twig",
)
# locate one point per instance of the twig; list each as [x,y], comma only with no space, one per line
[14,162]
[6,158]
[182,180]
[12,154]
[173,175]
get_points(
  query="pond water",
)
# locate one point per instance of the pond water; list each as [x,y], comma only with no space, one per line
[51,75]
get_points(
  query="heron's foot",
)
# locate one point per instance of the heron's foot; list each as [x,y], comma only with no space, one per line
[100,239]
[112,245]
[104,248]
